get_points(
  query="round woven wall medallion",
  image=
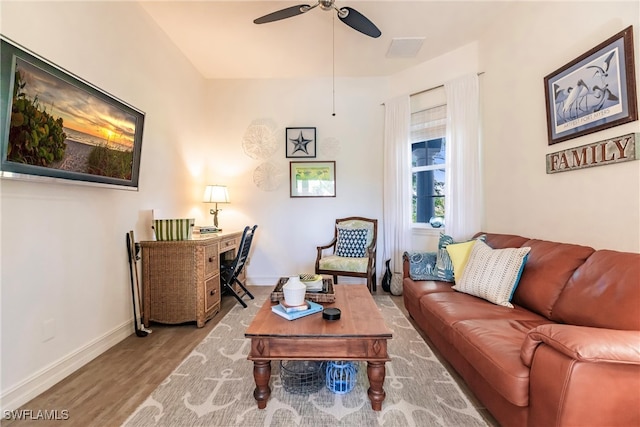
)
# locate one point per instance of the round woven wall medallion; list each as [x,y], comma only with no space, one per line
[329,147]
[269,176]
[259,141]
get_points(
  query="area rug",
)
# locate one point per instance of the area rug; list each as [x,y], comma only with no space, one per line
[214,386]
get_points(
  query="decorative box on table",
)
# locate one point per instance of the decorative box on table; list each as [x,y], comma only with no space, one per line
[327,294]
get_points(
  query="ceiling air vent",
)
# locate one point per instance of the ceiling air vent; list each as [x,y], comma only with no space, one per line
[404,47]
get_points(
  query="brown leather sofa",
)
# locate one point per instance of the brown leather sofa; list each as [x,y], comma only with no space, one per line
[567,354]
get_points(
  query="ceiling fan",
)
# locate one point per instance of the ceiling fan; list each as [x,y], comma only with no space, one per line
[348,15]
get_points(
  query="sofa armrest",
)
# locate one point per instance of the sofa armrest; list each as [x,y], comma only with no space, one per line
[584,343]
[405,265]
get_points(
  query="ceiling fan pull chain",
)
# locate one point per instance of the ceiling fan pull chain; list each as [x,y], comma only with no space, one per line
[333,47]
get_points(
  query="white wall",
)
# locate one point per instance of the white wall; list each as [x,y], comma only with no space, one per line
[289,229]
[598,206]
[430,76]
[63,246]
[63,252]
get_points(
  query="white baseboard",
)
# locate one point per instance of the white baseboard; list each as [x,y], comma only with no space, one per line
[42,380]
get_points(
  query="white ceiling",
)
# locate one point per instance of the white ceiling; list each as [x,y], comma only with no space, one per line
[221,40]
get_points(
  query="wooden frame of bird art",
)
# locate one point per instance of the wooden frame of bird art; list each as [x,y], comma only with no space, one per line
[300,142]
[594,91]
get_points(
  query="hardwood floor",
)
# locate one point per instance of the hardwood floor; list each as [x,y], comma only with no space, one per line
[109,388]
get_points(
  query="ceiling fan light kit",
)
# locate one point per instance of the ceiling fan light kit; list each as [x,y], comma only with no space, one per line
[348,15]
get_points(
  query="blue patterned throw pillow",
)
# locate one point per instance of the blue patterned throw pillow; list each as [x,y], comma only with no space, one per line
[444,266]
[422,265]
[351,242]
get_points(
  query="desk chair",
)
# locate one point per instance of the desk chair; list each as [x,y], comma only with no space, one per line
[353,250]
[230,270]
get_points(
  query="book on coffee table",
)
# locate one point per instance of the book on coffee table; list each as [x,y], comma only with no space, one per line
[280,310]
[291,308]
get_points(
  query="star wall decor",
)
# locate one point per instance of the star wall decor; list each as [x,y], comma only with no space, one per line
[300,142]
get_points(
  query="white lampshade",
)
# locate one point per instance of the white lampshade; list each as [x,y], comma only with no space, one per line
[216,194]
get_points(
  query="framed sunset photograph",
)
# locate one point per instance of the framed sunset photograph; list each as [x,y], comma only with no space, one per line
[58,126]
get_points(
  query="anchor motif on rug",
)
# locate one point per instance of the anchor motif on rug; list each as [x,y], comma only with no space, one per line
[239,354]
[207,406]
[337,410]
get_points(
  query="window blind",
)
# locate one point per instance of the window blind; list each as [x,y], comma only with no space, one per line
[428,124]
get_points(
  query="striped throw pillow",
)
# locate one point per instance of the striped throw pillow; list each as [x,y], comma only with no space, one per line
[493,274]
[173,229]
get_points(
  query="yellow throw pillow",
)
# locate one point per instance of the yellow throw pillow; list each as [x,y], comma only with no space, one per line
[459,254]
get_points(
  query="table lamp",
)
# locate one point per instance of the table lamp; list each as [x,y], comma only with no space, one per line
[215,194]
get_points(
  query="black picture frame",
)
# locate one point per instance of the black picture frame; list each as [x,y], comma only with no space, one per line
[61,128]
[300,142]
[593,92]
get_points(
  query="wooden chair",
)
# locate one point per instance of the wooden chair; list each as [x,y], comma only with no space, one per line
[229,271]
[360,259]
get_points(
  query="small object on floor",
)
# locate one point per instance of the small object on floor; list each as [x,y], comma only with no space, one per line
[331,313]
[135,286]
[302,376]
[341,376]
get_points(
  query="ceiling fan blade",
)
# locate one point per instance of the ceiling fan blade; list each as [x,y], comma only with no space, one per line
[358,22]
[282,14]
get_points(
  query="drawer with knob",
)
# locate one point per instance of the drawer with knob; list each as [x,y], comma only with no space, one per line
[211,260]
[228,243]
[212,294]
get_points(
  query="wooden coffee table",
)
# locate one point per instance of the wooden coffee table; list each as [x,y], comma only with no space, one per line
[359,334]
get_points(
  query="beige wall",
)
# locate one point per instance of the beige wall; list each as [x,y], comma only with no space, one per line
[599,206]
[63,254]
[64,257]
[291,228]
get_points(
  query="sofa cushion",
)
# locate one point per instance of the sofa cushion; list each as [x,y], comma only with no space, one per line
[444,309]
[493,348]
[415,289]
[493,274]
[603,292]
[549,267]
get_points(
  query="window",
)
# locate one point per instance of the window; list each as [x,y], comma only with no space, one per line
[428,142]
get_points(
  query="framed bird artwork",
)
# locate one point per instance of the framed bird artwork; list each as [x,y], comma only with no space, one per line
[594,91]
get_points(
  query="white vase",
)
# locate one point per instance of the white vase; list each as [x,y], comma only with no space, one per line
[294,291]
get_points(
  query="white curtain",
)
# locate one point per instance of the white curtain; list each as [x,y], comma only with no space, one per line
[397,181]
[463,201]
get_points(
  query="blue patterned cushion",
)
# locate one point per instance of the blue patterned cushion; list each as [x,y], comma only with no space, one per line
[422,265]
[444,266]
[351,242]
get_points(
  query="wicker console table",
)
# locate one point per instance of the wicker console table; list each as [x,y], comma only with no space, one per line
[181,279]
